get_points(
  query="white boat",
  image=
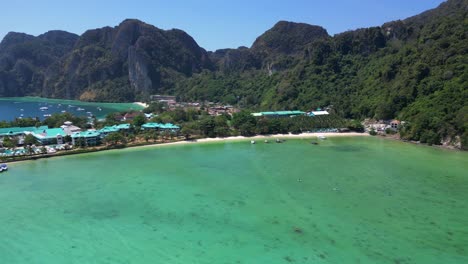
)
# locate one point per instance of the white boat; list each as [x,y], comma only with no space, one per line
[252,142]
[321,137]
[47,115]
[99,108]
[80,109]
[43,108]
[3,167]
[63,111]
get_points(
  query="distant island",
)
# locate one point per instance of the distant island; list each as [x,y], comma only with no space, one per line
[412,70]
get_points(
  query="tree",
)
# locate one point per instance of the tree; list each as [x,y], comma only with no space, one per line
[139,120]
[10,142]
[30,140]
[114,138]
[243,118]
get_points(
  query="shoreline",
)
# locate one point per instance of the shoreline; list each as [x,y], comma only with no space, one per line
[144,105]
[258,137]
[198,141]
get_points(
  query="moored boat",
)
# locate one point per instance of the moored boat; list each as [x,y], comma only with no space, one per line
[3,167]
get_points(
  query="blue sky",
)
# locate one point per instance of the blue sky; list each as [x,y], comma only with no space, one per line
[213,24]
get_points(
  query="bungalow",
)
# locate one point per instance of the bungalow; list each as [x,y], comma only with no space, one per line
[49,136]
[89,138]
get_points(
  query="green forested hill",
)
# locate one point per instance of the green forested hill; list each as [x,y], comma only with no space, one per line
[413,69]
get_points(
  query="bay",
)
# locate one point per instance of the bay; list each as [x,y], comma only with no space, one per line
[15,107]
[346,200]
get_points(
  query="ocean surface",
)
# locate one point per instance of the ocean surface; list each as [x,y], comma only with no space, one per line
[15,107]
[346,200]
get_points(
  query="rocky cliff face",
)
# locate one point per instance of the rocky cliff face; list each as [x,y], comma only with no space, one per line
[288,38]
[24,60]
[106,64]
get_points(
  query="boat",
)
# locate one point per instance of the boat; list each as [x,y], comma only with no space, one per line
[44,108]
[266,141]
[99,108]
[252,142]
[3,167]
[47,115]
[21,109]
[63,111]
[314,143]
[279,140]
[322,137]
[80,109]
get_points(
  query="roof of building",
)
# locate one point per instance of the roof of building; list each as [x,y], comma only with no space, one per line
[86,134]
[318,113]
[160,125]
[114,128]
[18,130]
[48,133]
[279,113]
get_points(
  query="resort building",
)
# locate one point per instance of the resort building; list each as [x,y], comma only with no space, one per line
[87,138]
[277,114]
[49,136]
[69,128]
[115,128]
[160,127]
[18,131]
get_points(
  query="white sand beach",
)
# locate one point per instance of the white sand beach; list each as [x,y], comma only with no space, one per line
[260,137]
[145,105]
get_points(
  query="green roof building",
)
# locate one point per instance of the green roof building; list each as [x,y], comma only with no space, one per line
[89,138]
[16,131]
[160,126]
[49,136]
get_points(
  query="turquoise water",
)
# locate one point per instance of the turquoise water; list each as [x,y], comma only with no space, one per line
[346,200]
[15,107]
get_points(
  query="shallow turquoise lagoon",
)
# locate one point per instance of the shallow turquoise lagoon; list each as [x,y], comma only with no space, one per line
[346,200]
